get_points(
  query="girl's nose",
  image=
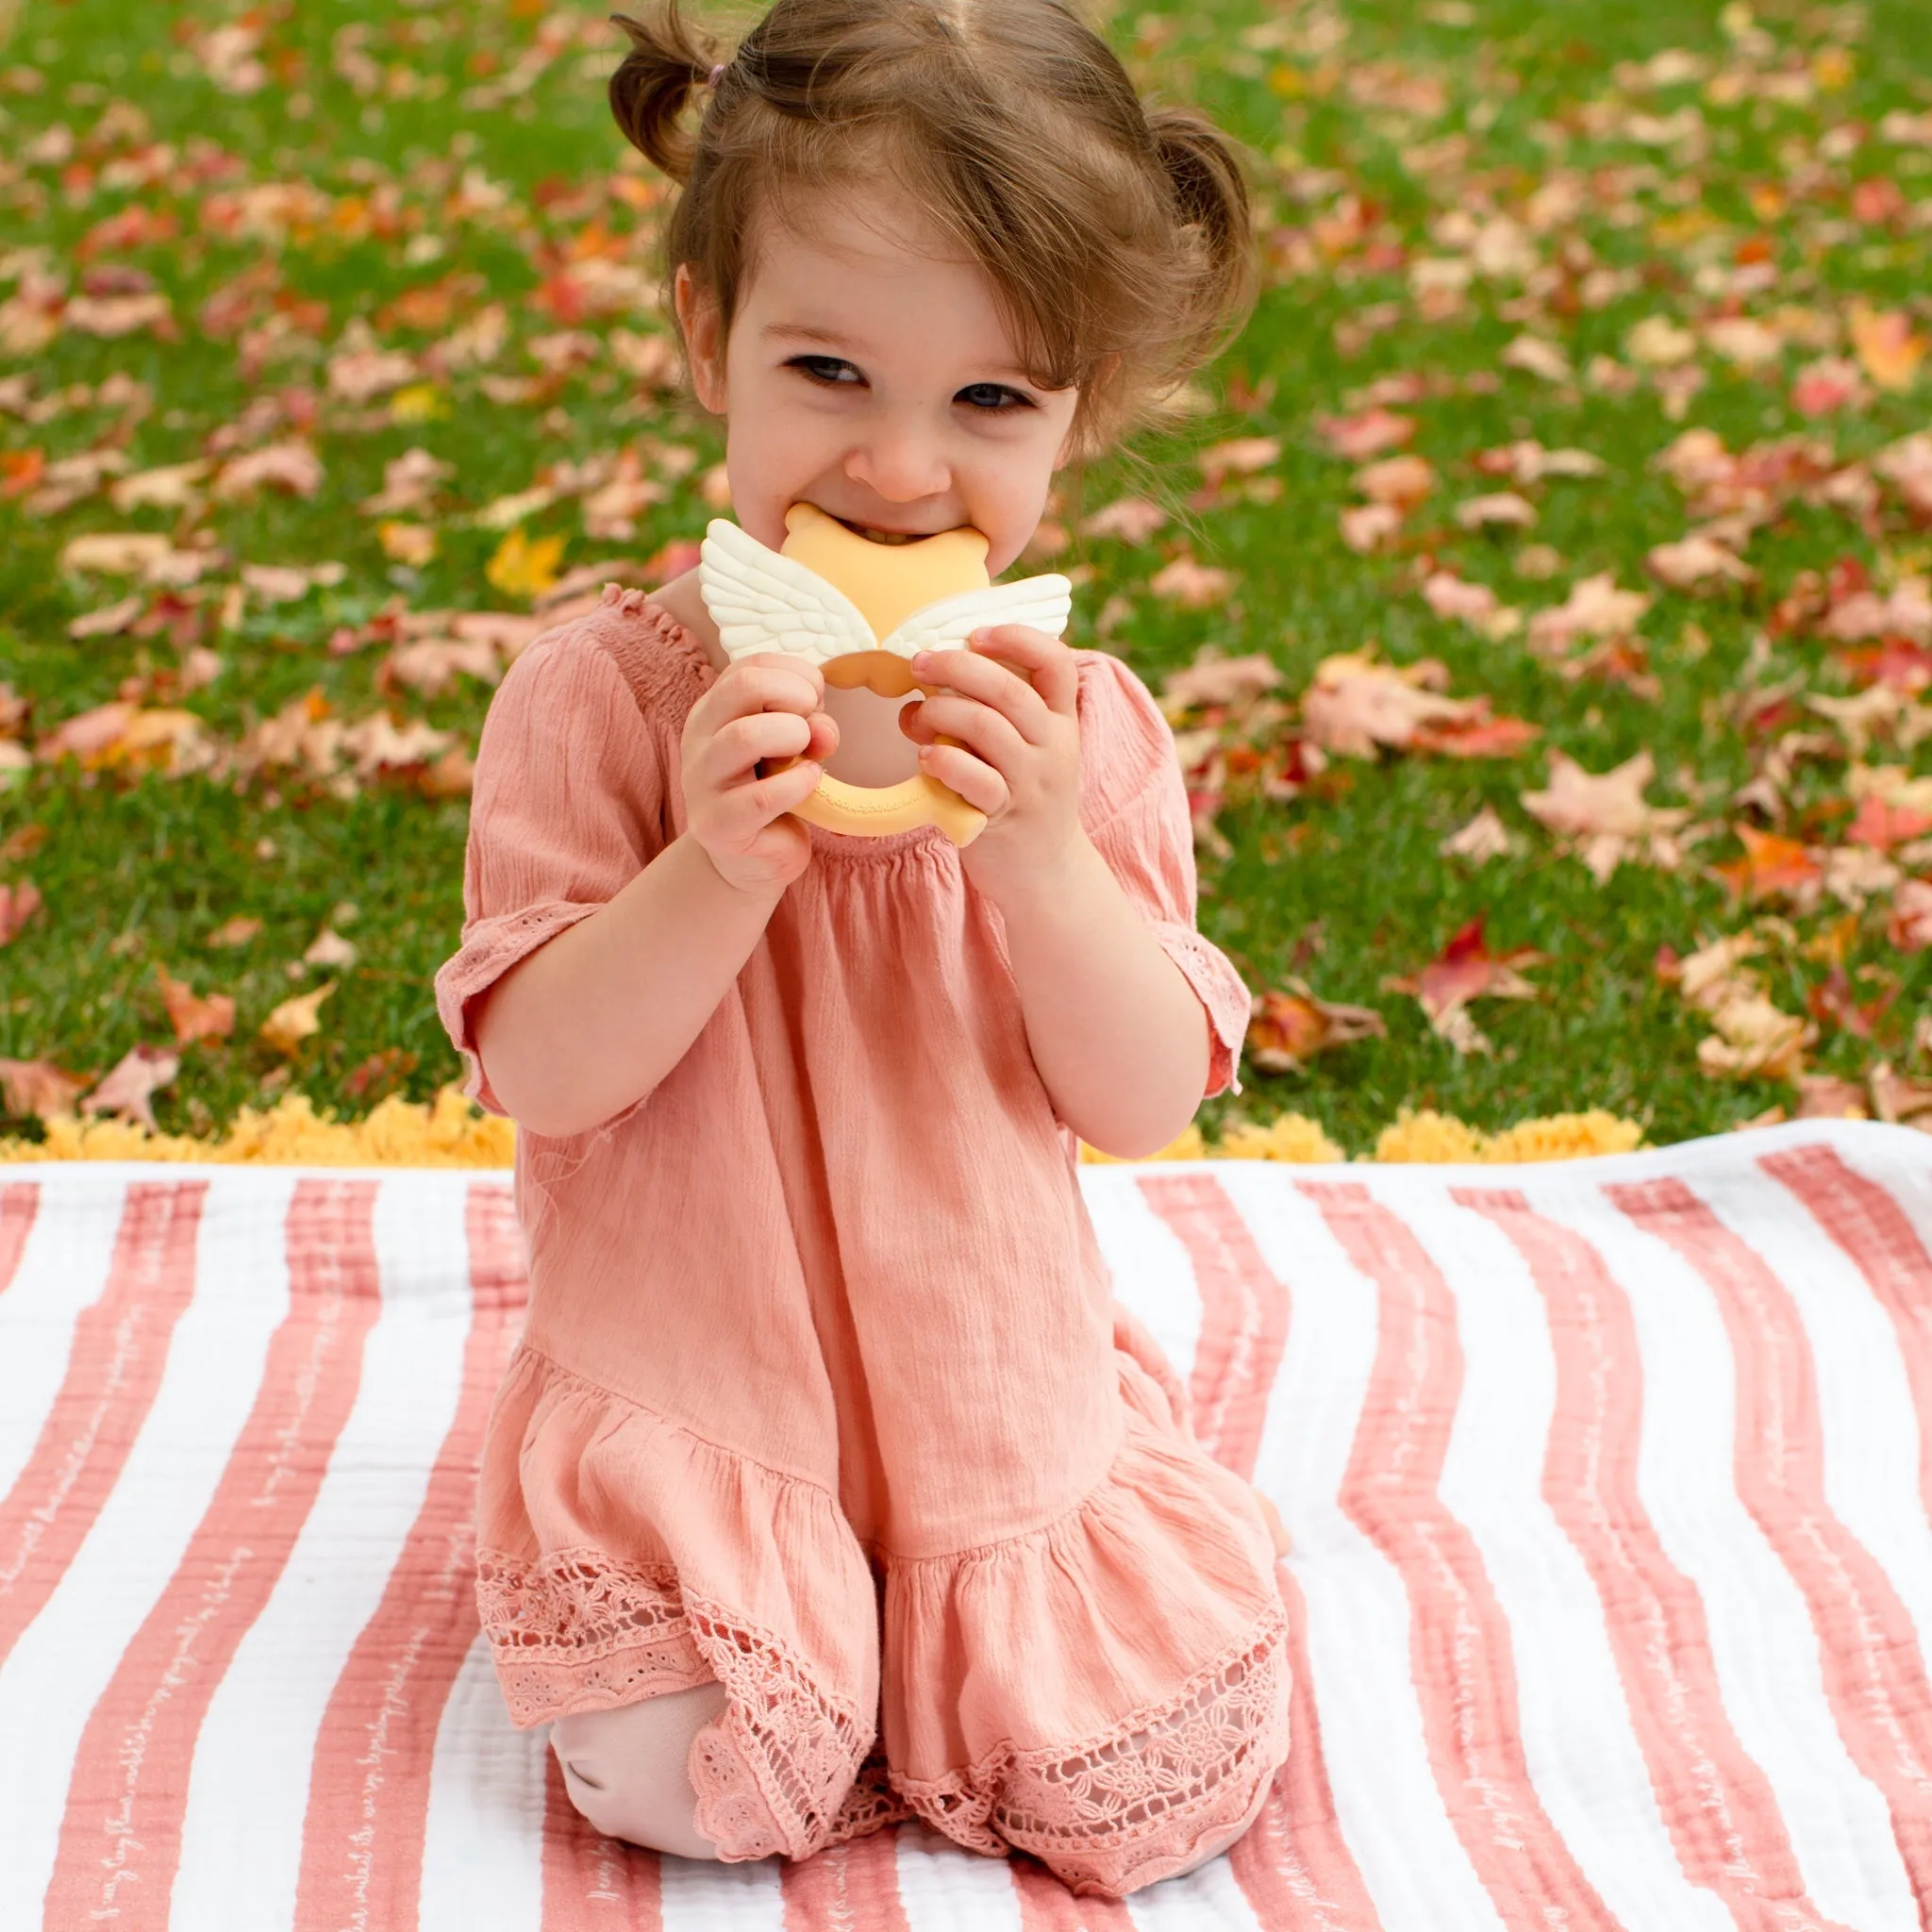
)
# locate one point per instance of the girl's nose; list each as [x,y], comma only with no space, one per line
[901,465]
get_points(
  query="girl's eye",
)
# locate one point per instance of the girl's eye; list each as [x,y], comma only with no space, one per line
[830,370]
[993,397]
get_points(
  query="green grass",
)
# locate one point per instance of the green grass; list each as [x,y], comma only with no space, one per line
[1344,886]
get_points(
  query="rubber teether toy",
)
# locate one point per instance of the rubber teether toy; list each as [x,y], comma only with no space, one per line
[862,612]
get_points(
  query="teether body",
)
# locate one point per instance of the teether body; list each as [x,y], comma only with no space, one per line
[862,612]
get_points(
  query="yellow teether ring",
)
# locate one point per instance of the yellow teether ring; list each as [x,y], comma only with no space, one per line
[875,810]
[886,583]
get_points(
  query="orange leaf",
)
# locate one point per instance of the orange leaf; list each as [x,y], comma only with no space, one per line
[21,470]
[294,1020]
[1886,346]
[194,1017]
[1770,865]
[39,1087]
[1289,1029]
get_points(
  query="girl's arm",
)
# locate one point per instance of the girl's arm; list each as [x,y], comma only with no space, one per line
[1120,1037]
[594,1018]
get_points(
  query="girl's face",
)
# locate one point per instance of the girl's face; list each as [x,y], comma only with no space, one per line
[869,372]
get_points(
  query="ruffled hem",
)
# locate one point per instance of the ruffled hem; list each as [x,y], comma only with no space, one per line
[1142,1800]
[620,1557]
[1110,1693]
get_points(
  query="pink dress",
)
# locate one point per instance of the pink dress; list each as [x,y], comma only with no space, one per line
[824,1393]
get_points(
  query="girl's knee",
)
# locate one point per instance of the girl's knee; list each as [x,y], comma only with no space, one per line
[624,1769]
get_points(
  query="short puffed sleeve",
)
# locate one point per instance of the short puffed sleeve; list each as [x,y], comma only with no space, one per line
[566,808]
[1134,807]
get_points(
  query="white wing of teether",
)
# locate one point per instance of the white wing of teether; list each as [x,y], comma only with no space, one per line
[763,602]
[1041,603]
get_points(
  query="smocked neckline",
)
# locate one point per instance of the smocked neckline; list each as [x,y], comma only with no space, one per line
[844,846]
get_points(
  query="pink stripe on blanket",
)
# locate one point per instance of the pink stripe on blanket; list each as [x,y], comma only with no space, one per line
[120,1347]
[18,1204]
[1874,1677]
[1884,1246]
[121,1837]
[369,1805]
[1291,1863]
[593,1883]
[1464,1673]
[846,1886]
[1717,1804]
[1243,1320]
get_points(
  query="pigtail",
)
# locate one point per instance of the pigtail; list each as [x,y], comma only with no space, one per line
[653,86]
[1210,197]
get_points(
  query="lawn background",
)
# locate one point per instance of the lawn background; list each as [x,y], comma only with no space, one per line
[1344,886]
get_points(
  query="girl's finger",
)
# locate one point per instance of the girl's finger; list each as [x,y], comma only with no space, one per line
[766,683]
[984,730]
[781,792]
[1051,667]
[976,782]
[738,746]
[977,675]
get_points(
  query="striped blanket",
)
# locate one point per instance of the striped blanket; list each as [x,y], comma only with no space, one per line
[1611,1591]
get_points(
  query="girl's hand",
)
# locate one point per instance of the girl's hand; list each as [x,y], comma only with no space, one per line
[766,705]
[1011,700]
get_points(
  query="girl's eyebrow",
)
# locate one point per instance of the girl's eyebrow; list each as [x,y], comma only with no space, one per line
[802,332]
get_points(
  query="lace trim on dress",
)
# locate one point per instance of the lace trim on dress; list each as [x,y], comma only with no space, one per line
[1228,1002]
[778,1770]
[1139,1801]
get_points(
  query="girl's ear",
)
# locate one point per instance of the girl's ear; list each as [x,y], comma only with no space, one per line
[704,338]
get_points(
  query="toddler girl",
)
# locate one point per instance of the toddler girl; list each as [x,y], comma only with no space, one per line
[829,1487]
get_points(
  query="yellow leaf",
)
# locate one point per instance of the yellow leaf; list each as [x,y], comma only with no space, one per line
[294,1020]
[410,544]
[1832,68]
[1886,346]
[418,402]
[523,569]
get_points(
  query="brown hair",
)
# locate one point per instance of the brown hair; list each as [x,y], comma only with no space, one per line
[1117,237]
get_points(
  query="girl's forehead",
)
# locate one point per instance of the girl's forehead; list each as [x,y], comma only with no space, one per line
[848,228]
[853,264]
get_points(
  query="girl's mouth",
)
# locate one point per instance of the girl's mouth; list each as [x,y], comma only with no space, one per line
[873,536]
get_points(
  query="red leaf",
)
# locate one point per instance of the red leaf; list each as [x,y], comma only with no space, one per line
[1481,737]
[1467,970]
[18,904]
[1882,826]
